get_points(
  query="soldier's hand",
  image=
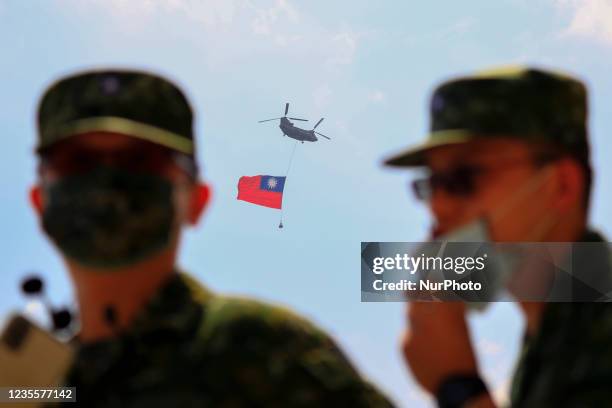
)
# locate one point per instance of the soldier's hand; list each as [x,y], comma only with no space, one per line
[437,342]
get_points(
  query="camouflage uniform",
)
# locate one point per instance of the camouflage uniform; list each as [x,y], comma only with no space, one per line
[190,347]
[568,362]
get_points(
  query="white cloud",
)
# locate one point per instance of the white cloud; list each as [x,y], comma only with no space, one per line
[285,40]
[285,26]
[460,27]
[227,30]
[211,13]
[321,96]
[342,126]
[273,22]
[343,48]
[127,8]
[266,18]
[445,34]
[377,96]
[589,19]
[134,15]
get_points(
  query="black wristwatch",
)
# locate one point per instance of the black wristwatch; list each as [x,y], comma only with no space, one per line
[456,390]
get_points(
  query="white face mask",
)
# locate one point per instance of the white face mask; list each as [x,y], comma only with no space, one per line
[473,240]
[501,263]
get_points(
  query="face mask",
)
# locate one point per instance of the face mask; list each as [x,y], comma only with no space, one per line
[109,218]
[502,260]
[473,240]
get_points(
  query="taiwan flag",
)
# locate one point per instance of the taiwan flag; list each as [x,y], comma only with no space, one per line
[262,190]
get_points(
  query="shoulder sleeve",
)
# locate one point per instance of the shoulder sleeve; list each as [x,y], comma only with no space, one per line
[272,357]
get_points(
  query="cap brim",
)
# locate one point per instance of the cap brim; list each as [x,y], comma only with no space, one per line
[122,126]
[415,155]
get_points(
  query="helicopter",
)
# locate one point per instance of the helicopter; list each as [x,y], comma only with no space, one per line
[294,132]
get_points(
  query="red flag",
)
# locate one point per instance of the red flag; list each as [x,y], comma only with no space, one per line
[262,190]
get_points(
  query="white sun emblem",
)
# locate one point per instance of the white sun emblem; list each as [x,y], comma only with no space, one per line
[272,183]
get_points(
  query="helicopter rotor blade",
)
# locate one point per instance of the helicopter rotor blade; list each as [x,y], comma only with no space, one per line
[267,120]
[304,120]
[286,108]
[315,126]
[321,134]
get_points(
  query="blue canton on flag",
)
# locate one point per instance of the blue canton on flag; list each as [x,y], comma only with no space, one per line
[271,183]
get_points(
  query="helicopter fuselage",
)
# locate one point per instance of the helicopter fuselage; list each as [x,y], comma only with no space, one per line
[294,132]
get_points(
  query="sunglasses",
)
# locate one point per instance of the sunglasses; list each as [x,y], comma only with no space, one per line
[463,180]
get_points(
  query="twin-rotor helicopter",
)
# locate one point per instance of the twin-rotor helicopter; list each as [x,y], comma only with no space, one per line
[294,132]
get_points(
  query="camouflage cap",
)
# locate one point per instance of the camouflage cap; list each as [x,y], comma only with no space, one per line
[518,102]
[133,103]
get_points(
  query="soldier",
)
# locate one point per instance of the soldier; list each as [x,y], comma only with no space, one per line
[117,182]
[509,150]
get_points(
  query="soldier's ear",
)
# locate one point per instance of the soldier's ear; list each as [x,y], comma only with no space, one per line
[36,199]
[570,185]
[200,197]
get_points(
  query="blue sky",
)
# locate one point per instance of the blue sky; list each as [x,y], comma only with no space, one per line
[367,67]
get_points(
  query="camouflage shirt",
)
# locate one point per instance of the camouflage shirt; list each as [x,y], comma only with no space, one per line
[192,348]
[568,362]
